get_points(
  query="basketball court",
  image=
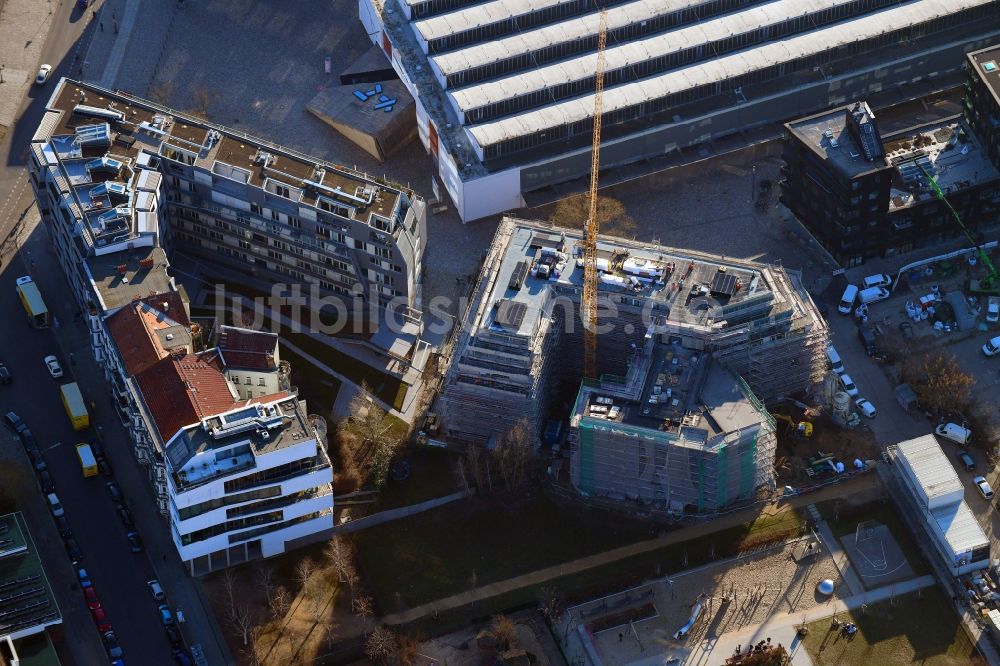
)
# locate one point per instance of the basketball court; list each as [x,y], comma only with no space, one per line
[875,555]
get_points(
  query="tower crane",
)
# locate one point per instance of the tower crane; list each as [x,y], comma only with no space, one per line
[590,230]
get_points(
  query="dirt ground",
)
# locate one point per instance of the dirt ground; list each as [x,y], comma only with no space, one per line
[460,648]
[793,453]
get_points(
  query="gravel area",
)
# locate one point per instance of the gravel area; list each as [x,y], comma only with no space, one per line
[762,585]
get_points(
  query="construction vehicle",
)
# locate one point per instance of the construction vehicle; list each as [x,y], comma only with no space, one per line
[590,232]
[989,284]
[797,428]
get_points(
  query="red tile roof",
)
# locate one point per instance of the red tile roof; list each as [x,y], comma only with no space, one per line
[246,349]
[133,329]
[182,390]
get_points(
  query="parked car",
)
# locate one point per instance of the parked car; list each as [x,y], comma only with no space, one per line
[993,310]
[81,573]
[992,347]
[5,376]
[180,655]
[155,589]
[105,467]
[165,615]
[29,441]
[55,370]
[111,643]
[37,461]
[865,407]
[984,487]
[134,541]
[848,299]
[97,450]
[125,515]
[867,337]
[63,526]
[90,596]
[848,385]
[967,462]
[173,634]
[877,280]
[43,74]
[45,481]
[956,433]
[73,550]
[101,620]
[14,422]
[906,329]
[55,506]
[836,364]
[114,491]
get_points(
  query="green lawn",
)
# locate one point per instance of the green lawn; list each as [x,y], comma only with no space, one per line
[432,474]
[880,511]
[915,631]
[433,555]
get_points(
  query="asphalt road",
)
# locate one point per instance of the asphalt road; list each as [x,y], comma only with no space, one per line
[118,575]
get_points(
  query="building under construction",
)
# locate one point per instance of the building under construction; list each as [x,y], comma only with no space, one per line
[687,341]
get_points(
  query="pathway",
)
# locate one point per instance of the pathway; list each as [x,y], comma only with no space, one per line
[840,558]
[852,486]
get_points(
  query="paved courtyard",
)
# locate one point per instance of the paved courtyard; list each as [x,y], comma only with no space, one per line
[757,587]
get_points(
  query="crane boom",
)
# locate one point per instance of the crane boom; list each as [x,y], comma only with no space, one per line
[991,277]
[590,232]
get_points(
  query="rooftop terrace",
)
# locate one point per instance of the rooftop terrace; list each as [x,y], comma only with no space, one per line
[684,393]
[123,277]
[698,290]
[231,442]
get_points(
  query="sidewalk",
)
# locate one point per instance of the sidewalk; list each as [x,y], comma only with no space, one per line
[24,27]
[185,592]
[840,558]
[853,486]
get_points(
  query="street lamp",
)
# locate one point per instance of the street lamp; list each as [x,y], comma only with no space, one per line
[1,73]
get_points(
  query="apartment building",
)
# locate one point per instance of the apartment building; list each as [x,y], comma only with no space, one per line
[112,173]
[230,491]
[982,99]
[864,193]
[689,437]
[521,340]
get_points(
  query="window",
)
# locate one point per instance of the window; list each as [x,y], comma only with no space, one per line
[294,222]
[261,382]
[254,208]
[274,214]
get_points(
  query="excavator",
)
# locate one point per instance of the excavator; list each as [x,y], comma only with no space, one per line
[991,283]
[798,428]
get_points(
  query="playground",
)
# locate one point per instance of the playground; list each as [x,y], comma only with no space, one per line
[669,617]
[875,555]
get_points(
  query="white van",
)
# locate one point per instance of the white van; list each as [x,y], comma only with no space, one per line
[873,295]
[847,300]
[55,506]
[835,363]
[879,280]
[992,348]
[954,432]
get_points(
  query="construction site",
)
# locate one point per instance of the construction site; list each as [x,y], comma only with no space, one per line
[691,346]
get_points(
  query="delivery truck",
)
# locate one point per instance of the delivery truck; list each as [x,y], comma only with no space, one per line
[76,409]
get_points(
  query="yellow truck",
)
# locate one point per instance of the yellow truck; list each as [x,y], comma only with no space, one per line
[88,463]
[31,299]
[76,409]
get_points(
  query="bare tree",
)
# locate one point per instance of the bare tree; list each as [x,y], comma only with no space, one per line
[408,650]
[338,555]
[265,579]
[280,602]
[512,454]
[374,427]
[380,646]
[939,380]
[352,579]
[611,215]
[503,631]
[229,585]
[304,569]
[364,608]
[253,658]
[242,621]
[477,466]
[551,604]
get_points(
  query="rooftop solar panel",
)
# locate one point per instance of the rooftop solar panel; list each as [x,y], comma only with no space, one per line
[510,314]
[723,284]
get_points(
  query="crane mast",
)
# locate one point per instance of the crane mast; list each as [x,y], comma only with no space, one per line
[590,231]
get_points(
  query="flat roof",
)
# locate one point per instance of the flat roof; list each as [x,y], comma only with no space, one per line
[930,467]
[722,68]
[478,15]
[633,52]
[139,279]
[948,150]
[25,585]
[959,528]
[986,65]
[145,127]
[827,135]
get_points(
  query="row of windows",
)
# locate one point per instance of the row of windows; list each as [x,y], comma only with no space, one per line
[640,70]
[647,113]
[219,502]
[271,503]
[249,534]
[274,474]
[228,526]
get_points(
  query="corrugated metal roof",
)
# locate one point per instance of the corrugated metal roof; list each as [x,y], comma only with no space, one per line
[483,53]
[479,15]
[959,527]
[930,467]
[720,69]
[631,53]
